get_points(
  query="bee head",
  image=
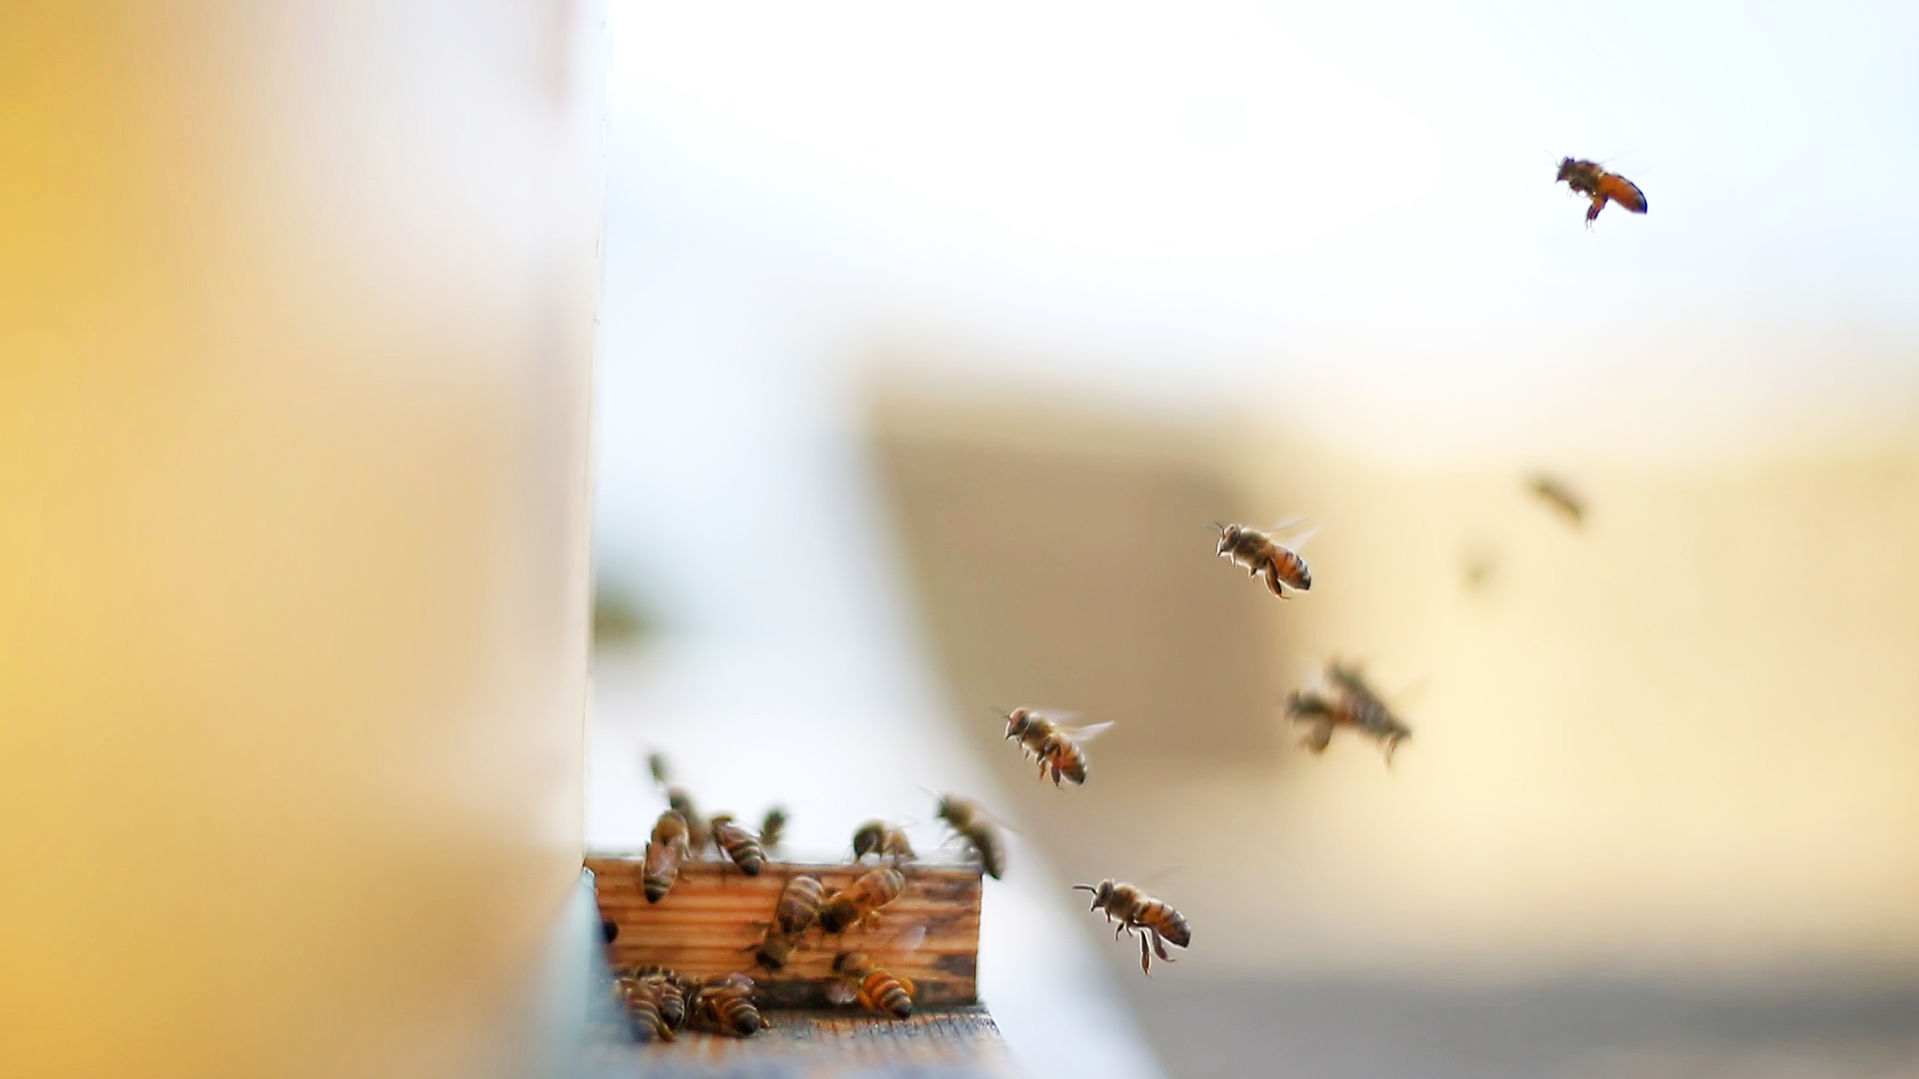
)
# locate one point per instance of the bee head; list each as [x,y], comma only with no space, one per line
[1017,722]
[868,837]
[1299,703]
[719,819]
[1102,895]
[1228,537]
[680,801]
[1566,165]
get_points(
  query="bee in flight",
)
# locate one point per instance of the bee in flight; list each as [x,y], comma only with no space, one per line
[860,902]
[1352,702]
[877,837]
[726,1005]
[697,834]
[738,844]
[1156,922]
[664,852]
[1259,553]
[872,987]
[773,828]
[1554,492]
[1058,748]
[1594,182]
[970,821]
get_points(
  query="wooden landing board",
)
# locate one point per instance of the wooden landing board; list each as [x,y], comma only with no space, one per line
[705,927]
[959,1044]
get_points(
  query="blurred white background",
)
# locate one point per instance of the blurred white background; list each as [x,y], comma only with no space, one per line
[1334,226]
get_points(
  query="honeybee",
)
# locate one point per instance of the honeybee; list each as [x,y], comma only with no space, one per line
[877,837]
[726,1005]
[1353,704]
[672,995]
[641,999]
[663,855]
[970,821]
[1594,182]
[861,901]
[738,844]
[776,947]
[1260,554]
[1557,495]
[800,903]
[872,987]
[1057,748]
[1155,921]
[772,828]
[656,764]
[698,834]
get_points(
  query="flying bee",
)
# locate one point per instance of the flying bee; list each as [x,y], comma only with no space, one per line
[656,764]
[1058,748]
[877,837]
[726,1005]
[970,821]
[1589,179]
[861,901]
[800,903]
[1135,911]
[641,998]
[1353,703]
[664,852]
[698,834]
[738,844]
[1556,494]
[872,987]
[772,828]
[1259,553]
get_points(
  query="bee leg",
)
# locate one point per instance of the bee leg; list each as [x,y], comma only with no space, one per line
[1145,958]
[1159,947]
[1272,580]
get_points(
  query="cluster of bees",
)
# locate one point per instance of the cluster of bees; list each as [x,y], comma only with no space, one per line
[660,1002]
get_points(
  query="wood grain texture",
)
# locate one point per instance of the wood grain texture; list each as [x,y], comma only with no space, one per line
[713,918]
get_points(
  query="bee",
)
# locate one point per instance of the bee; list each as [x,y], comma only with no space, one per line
[871,987]
[970,821]
[772,828]
[1260,554]
[861,901]
[1594,182]
[1354,704]
[656,764]
[1056,747]
[726,1005]
[776,948]
[738,844]
[1155,921]
[885,840]
[664,853]
[800,903]
[1557,495]
[642,998]
[698,834]
[672,994]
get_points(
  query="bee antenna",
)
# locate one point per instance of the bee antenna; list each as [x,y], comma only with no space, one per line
[1084,888]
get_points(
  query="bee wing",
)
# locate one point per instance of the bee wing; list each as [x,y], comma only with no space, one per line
[839,992]
[1055,716]
[1088,732]
[1160,874]
[909,941]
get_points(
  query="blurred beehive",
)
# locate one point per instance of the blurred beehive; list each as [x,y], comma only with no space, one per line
[714,917]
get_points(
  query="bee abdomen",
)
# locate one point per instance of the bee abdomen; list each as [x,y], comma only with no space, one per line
[1167,922]
[888,995]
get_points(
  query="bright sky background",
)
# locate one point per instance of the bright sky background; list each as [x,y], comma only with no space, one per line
[1352,203]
